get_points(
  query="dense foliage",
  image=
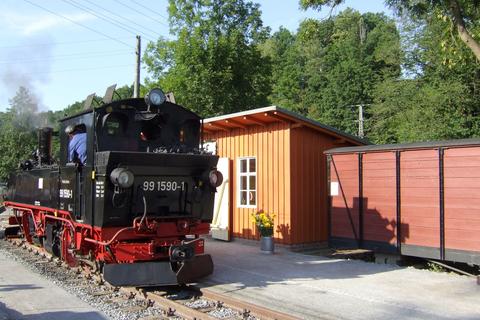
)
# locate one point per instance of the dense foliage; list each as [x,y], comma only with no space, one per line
[436,96]
[17,135]
[214,65]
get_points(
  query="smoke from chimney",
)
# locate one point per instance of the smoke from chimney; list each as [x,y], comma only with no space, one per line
[29,64]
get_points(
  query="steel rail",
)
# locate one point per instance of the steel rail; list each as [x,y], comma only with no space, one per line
[256,310]
[179,308]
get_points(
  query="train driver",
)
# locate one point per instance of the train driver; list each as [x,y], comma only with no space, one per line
[77,147]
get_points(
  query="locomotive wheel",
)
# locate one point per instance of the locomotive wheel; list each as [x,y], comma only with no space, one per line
[68,248]
[26,227]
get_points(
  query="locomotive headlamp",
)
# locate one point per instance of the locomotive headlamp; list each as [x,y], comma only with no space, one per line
[155,97]
[122,177]
[216,178]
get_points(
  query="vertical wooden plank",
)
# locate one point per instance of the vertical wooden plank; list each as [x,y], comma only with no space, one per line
[265,168]
[305,226]
[238,210]
[270,168]
[251,153]
[245,153]
[275,174]
[294,185]
[316,185]
[323,194]
[280,220]
[301,181]
[288,174]
[256,153]
[309,189]
[260,170]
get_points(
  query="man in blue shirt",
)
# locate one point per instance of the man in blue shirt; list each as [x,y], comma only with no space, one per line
[77,147]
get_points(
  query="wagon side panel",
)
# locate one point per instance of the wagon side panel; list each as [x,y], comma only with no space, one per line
[344,191]
[379,199]
[420,208]
[462,204]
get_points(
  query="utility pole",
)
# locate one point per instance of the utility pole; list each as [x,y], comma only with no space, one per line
[136,85]
[360,120]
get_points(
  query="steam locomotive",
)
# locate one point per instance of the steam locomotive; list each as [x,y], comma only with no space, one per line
[135,210]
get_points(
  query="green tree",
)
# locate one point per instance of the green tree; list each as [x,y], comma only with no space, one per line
[17,132]
[214,66]
[415,110]
[345,58]
[439,101]
[288,69]
[463,15]
[23,110]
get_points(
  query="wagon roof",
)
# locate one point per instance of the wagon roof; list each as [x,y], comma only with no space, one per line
[406,146]
[264,116]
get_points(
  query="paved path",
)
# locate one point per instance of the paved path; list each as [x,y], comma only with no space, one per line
[313,287]
[26,295]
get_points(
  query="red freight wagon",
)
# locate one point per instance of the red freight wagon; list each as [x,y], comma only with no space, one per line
[419,199]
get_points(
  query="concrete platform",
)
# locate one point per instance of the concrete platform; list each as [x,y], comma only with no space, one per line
[26,295]
[313,287]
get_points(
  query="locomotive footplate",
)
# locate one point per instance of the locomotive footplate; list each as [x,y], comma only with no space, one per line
[158,273]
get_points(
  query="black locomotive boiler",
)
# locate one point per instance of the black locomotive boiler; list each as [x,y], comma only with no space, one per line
[135,210]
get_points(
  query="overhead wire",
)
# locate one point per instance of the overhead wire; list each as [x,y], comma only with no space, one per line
[80,69]
[101,16]
[78,23]
[62,43]
[142,13]
[123,17]
[77,56]
[147,8]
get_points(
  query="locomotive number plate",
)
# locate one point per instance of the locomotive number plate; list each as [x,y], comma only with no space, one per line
[164,185]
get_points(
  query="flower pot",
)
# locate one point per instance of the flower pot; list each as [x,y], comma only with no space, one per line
[266,244]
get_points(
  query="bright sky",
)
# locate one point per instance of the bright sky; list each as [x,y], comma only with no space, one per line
[63,50]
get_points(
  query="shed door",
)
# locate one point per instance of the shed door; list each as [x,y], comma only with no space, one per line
[221,215]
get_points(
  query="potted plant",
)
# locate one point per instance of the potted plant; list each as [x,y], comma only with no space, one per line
[264,223]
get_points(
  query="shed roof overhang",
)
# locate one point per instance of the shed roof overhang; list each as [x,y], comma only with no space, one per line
[265,116]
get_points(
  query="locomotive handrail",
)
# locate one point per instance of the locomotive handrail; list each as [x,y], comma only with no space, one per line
[109,242]
[30,210]
[115,236]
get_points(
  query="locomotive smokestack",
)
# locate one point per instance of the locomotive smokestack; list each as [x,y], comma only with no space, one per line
[45,145]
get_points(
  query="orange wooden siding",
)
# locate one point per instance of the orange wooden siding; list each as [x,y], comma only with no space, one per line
[291,170]
[269,145]
[309,185]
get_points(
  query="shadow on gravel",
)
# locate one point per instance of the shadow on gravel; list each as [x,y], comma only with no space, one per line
[10,314]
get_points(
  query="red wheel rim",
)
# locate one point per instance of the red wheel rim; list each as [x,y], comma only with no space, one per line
[68,248]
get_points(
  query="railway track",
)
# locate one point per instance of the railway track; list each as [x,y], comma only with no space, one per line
[185,302]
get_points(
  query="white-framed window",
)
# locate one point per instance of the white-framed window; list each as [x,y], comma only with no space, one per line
[247,182]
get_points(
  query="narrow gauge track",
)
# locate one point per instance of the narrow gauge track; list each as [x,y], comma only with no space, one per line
[186,302]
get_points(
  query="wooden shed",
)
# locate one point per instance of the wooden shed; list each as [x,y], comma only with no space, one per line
[273,160]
